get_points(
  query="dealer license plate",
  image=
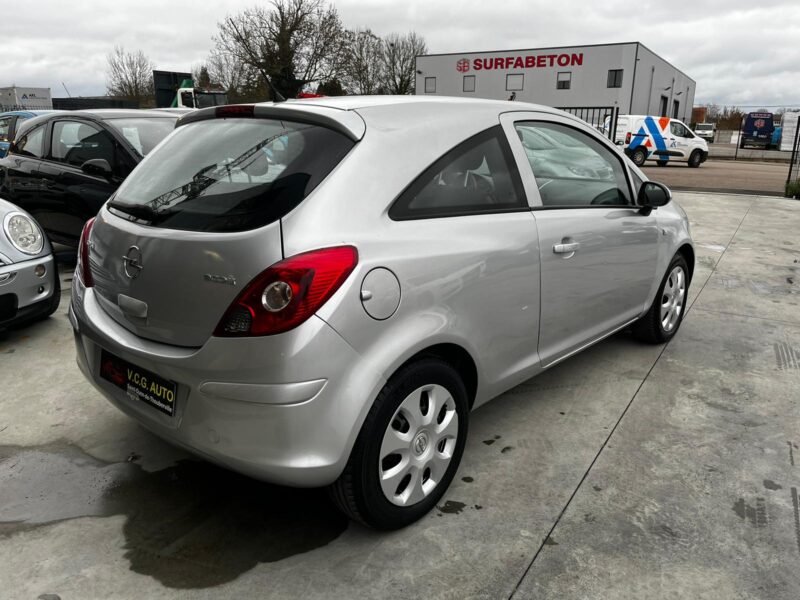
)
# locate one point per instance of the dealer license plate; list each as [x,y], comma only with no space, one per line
[140,384]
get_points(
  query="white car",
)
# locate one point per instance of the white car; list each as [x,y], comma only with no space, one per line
[661,139]
[706,131]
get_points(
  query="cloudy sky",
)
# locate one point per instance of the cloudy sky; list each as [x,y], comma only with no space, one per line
[739,52]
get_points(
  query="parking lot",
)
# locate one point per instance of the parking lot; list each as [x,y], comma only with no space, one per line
[739,177]
[628,471]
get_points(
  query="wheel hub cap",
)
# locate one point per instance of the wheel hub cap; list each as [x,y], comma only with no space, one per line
[418,445]
[672,299]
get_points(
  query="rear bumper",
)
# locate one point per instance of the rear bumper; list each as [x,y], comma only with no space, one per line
[23,294]
[283,408]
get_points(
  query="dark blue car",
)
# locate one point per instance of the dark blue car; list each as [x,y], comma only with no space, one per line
[9,122]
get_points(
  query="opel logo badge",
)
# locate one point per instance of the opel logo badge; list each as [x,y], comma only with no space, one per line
[133,262]
[420,443]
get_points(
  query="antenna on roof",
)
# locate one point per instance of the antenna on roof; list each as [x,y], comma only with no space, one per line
[276,95]
[65,89]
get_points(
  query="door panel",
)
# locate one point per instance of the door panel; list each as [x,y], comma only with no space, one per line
[598,253]
[602,284]
[679,143]
[69,197]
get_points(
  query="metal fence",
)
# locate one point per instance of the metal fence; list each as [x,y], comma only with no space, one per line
[793,179]
[602,118]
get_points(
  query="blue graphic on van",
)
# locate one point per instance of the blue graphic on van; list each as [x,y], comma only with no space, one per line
[641,138]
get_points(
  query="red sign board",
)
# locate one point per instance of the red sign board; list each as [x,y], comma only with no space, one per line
[530,61]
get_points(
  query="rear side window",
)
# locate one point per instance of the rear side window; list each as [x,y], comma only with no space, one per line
[231,174]
[32,143]
[144,134]
[477,176]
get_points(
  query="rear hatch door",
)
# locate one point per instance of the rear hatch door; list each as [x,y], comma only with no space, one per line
[199,218]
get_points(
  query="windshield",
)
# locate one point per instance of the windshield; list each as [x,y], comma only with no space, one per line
[704,127]
[230,174]
[206,99]
[144,133]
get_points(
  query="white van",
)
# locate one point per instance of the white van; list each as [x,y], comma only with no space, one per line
[661,139]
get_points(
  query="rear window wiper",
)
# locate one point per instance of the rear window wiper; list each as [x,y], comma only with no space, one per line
[140,211]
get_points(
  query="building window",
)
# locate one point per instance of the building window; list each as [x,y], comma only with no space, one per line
[514,82]
[675,107]
[563,80]
[662,110]
[469,83]
[430,85]
[615,78]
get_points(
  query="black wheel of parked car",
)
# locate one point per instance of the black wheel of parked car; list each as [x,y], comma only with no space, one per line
[665,315]
[408,449]
[695,158]
[638,157]
[662,163]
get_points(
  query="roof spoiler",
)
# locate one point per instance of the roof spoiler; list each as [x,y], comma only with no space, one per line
[346,122]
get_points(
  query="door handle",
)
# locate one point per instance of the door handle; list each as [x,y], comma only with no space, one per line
[566,248]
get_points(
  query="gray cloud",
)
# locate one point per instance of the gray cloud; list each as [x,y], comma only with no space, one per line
[738,53]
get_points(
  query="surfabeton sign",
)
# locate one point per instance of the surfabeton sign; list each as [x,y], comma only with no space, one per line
[530,61]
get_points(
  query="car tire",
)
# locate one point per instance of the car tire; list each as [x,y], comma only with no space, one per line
[423,405]
[665,315]
[638,157]
[662,163]
[695,159]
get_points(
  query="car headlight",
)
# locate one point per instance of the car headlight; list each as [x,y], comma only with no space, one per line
[23,233]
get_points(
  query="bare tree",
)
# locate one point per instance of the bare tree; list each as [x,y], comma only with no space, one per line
[399,62]
[227,71]
[129,74]
[363,62]
[292,43]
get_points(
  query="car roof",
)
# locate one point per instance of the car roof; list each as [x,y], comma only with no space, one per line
[351,115]
[102,114]
[26,113]
[430,104]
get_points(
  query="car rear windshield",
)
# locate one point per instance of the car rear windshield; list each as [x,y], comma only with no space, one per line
[144,133]
[703,127]
[230,174]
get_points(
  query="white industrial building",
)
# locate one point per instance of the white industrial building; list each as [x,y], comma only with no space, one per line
[628,76]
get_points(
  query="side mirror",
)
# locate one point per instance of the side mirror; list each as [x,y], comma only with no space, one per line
[652,195]
[97,167]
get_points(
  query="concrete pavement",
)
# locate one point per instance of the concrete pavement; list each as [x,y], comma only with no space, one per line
[628,471]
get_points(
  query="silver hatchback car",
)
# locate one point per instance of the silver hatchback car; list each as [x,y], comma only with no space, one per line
[317,293]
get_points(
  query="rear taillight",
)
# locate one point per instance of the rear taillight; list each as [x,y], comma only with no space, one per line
[235,110]
[288,292]
[628,138]
[83,269]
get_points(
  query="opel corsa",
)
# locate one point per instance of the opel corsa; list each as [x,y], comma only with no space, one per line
[318,292]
